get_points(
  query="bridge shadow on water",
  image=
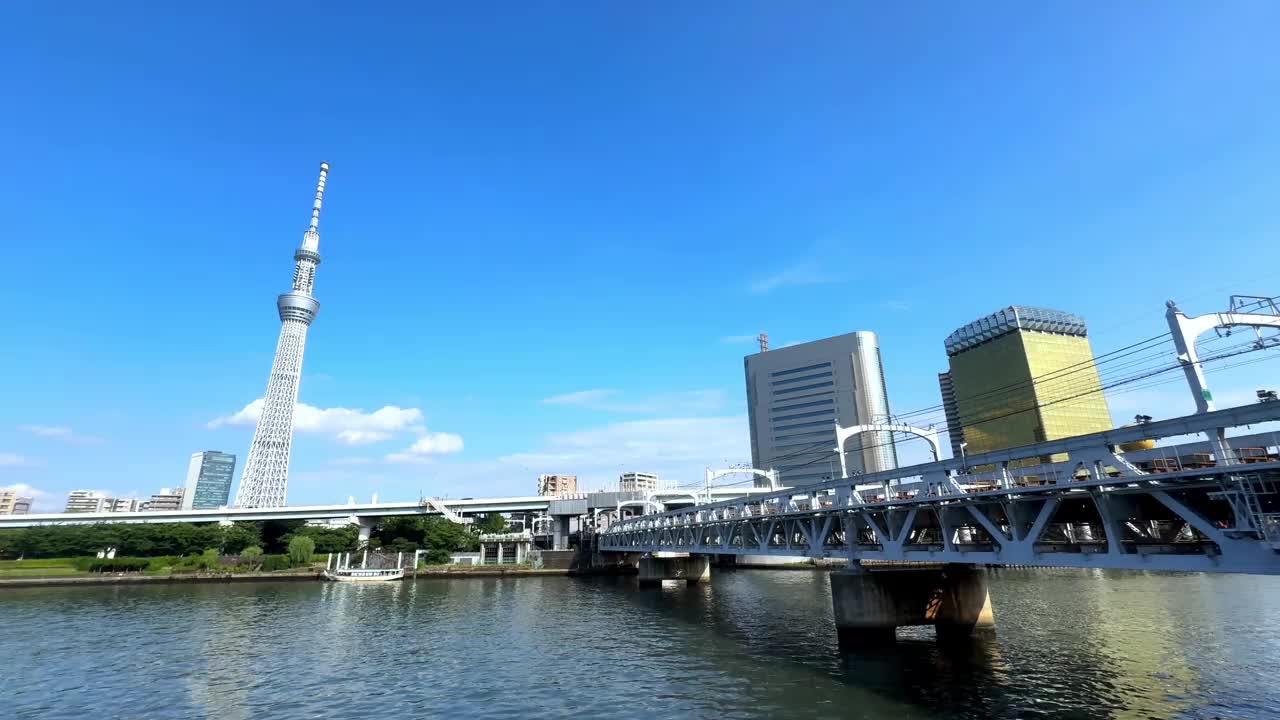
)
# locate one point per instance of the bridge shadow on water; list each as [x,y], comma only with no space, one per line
[778,624]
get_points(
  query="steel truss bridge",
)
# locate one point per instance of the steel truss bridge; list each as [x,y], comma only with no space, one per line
[1076,502]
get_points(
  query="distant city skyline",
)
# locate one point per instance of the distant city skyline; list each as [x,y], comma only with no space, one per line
[550,254]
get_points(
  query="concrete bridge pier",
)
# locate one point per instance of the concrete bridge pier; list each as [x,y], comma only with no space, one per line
[672,566]
[869,604]
[366,529]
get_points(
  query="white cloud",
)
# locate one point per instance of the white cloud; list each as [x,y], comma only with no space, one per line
[362,437]
[430,444]
[8,459]
[737,339]
[804,272]
[61,432]
[41,501]
[615,401]
[896,305]
[581,397]
[347,426]
[677,449]
[351,461]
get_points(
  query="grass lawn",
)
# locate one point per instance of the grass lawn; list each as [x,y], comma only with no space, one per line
[49,567]
[64,567]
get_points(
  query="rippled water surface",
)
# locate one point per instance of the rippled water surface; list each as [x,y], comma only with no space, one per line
[749,644]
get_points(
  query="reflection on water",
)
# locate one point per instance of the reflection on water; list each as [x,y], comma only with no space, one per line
[750,644]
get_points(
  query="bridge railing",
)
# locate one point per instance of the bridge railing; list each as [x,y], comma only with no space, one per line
[1093,459]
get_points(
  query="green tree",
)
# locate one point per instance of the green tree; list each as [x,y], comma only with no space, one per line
[434,534]
[392,529]
[276,534]
[301,549]
[440,534]
[240,536]
[492,523]
[9,541]
[251,555]
[401,545]
[437,557]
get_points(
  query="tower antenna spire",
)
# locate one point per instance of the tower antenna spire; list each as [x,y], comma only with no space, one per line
[315,209]
[266,474]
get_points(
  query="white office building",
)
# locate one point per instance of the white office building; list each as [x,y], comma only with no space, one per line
[90,501]
[638,482]
[166,499]
[797,394]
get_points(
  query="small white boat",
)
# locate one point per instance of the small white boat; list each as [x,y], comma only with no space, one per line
[362,575]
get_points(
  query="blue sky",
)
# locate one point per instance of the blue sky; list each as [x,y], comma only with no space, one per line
[550,228]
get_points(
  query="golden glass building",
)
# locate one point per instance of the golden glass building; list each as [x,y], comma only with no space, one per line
[1019,376]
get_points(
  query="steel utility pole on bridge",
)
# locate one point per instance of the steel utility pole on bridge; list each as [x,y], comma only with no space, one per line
[1186,330]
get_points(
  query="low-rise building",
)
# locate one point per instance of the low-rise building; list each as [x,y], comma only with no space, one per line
[120,505]
[90,501]
[556,485]
[11,503]
[86,501]
[166,499]
[638,482]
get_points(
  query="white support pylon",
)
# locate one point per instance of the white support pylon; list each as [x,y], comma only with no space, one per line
[266,473]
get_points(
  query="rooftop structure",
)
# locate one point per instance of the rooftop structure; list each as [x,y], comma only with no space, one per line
[1010,319]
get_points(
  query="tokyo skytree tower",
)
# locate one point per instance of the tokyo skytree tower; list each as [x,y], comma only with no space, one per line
[266,474]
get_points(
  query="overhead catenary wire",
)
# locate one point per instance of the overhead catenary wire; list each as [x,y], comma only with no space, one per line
[1082,366]
[1111,379]
[1250,347]
[1139,355]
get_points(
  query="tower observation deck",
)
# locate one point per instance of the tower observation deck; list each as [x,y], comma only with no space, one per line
[266,473]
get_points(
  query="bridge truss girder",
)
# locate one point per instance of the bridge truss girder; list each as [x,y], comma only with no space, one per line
[1094,510]
[1148,525]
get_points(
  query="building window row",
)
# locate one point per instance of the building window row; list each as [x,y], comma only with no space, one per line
[802,378]
[820,423]
[793,371]
[799,388]
[797,416]
[827,394]
[815,403]
[801,438]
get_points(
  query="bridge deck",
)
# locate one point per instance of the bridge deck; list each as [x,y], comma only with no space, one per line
[1099,510]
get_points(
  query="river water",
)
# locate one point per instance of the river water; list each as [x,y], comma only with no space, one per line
[749,644]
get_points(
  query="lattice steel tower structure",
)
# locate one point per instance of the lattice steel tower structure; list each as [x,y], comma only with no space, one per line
[266,474]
